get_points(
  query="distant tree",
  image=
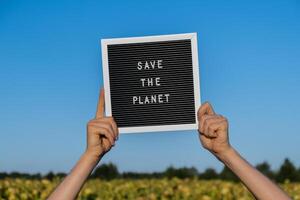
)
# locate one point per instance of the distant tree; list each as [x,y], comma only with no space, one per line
[50,176]
[170,172]
[36,176]
[135,175]
[139,175]
[265,169]
[184,172]
[209,174]
[226,174]
[106,171]
[3,175]
[60,175]
[15,174]
[287,171]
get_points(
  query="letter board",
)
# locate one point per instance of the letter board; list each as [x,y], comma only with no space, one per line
[152,83]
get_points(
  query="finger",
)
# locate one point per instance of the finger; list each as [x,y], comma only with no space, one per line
[107,128]
[204,118]
[205,108]
[204,140]
[107,136]
[106,144]
[208,131]
[117,134]
[212,130]
[103,132]
[223,124]
[117,131]
[100,106]
[108,123]
[113,125]
[216,126]
[209,121]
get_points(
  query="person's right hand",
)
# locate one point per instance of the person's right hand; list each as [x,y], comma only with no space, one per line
[102,132]
[213,130]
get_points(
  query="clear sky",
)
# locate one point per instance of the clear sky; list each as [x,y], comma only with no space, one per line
[51,72]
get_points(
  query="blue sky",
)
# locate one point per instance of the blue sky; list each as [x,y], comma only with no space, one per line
[50,75]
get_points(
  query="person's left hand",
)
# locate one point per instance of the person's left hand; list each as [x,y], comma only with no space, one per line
[102,132]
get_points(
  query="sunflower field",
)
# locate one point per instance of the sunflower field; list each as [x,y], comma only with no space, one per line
[144,189]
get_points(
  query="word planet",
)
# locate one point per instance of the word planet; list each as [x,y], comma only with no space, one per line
[151,99]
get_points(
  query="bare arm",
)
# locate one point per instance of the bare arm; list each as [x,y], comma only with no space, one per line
[213,133]
[102,132]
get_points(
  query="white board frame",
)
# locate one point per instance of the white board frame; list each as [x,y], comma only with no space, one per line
[157,38]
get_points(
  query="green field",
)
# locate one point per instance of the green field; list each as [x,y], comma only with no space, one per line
[12,189]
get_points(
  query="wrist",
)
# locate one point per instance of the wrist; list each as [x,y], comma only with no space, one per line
[226,155]
[91,157]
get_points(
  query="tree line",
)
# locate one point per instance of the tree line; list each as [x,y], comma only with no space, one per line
[109,171]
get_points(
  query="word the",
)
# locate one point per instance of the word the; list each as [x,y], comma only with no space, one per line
[148,82]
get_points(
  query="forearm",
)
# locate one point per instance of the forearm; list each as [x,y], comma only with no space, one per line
[259,185]
[71,185]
